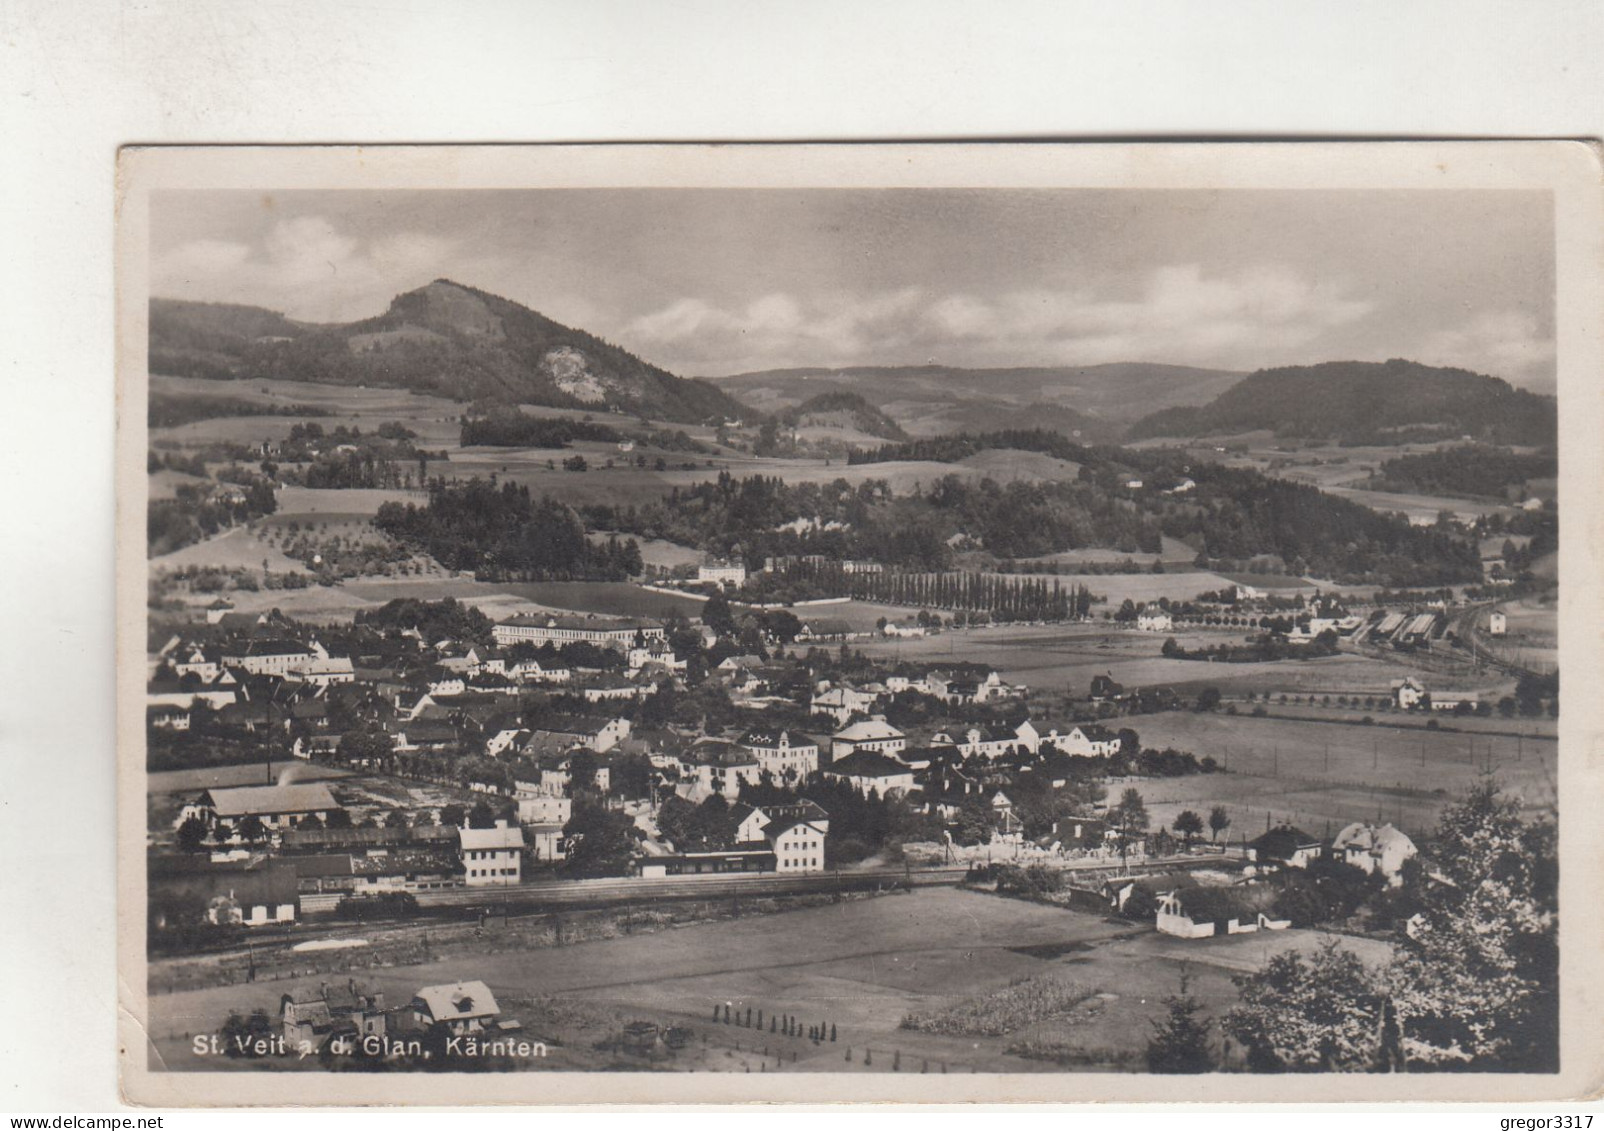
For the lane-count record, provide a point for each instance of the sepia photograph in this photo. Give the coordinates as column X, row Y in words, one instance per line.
column 1077, row 622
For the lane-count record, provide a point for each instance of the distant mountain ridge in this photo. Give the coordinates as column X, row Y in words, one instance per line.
column 444, row 338
column 1366, row 402
column 932, row 399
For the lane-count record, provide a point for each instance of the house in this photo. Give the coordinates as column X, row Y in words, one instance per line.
column 797, row 844
column 609, row 686
column 270, row 657
column 218, row 609
column 462, row 1007
column 324, row 670
column 276, row 806
column 570, row 731
column 1154, row 619
column 903, row 630
column 1104, row 687
column 1454, row 700
column 165, row 716
column 1088, row 740
column 782, row 758
column 310, row 1015
column 1407, row 692
column 1248, row 593
column 606, row 632
column 1379, row 851
column 870, row 770
column 655, row 653
column 492, row 857
column 874, row 735
column 721, row 767
column 993, row 741
column 1205, row 912
column 1286, row 845
column 1082, row 832
column 1133, row 484
column 841, row 703
column 532, row 671
column 1497, row 624
column 730, row 575
column 815, row 630
column 538, row 807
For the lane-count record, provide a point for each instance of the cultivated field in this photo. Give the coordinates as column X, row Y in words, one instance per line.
column 860, row 965
column 1327, row 774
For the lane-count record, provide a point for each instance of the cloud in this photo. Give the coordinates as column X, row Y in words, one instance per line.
column 1179, row 313
column 1502, row 343
column 306, row 267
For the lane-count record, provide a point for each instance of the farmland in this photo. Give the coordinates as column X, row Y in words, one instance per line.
column 1317, row 775
column 860, row 965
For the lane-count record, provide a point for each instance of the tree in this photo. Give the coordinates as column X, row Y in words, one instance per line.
column 481, row 816
column 1189, row 825
column 1476, row 985
column 337, row 819
column 1321, row 1014
column 1219, row 821
column 251, row 829
column 1208, row 699
column 191, row 834
column 1130, row 818
column 1180, row 1044
column 601, row 842
column 366, row 745
column 716, row 615
column 452, row 815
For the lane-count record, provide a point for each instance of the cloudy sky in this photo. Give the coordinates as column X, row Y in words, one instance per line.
column 707, row 282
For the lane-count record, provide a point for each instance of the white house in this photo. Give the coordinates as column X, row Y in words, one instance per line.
column 1381, row 851
column 1088, row 740
column 993, row 741
column 1407, row 692
column 841, row 703
column 276, row 806
column 781, row 756
column 1155, row 619
column 492, row 857
column 1497, row 624
column 869, row 770
column 870, row 735
column 727, row 574
column 462, row 1007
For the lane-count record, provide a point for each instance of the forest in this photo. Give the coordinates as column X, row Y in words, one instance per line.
column 503, row 534
column 1471, row 470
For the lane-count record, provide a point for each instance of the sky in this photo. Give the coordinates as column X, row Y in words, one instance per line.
column 707, row 282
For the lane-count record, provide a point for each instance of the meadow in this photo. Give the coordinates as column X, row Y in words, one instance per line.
column 1320, row 776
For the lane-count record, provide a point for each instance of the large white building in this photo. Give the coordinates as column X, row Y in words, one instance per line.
column 492, row 857
column 728, row 574
column 608, row 632
column 785, row 758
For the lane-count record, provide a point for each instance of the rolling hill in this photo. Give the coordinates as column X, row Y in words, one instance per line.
column 841, row 409
column 928, row 400
column 442, row 338
column 1366, row 402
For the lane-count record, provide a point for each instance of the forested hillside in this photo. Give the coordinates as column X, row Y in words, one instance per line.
column 1366, row 403
column 443, row 338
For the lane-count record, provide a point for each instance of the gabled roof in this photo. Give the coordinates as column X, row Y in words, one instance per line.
column 481, row 839
column 869, row 730
column 1282, row 841
column 459, row 1001
column 868, row 764
column 248, row 800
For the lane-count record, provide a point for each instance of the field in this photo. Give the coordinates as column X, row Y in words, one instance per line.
column 859, row 965
column 1064, row 658
column 253, row 773
column 610, row 598
column 1322, row 776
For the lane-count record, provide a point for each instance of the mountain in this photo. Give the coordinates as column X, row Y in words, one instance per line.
column 442, row 338
column 842, row 409
column 930, row 400
column 1366, row 402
